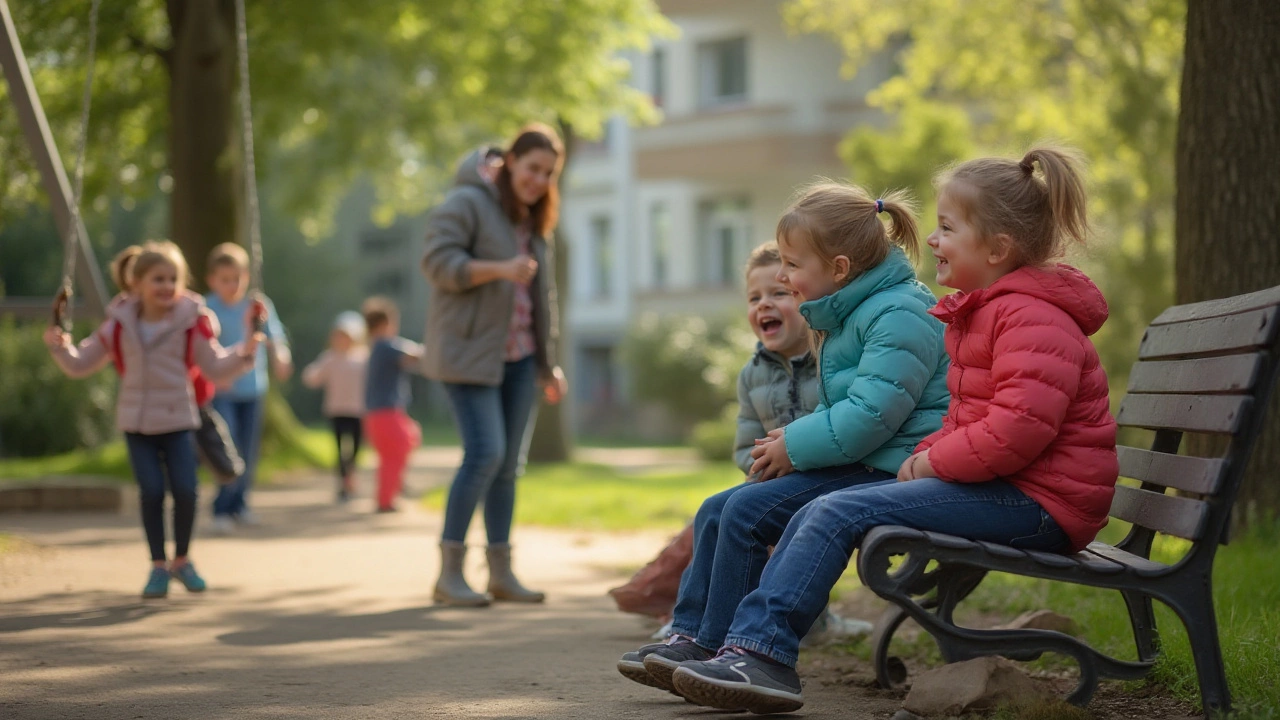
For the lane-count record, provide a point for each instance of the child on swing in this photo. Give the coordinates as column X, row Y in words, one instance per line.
column 214, row 446
column 155, row 333
column 1026, row 455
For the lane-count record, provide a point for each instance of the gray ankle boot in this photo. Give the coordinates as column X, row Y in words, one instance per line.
column 452, row 587
column 503, row 584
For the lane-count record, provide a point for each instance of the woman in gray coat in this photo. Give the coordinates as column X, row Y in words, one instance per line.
column 491, row 327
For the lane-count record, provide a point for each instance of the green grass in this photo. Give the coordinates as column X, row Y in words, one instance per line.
column 1246, row 593
column 597, row 497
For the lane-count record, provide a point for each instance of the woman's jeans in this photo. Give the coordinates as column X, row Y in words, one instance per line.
column 732, row 533
column 244, row 420
column 156, row 459
column 495, row 424
column 817, row 545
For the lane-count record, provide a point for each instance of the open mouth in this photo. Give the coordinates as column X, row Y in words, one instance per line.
column 941, row 260
column 770, row 326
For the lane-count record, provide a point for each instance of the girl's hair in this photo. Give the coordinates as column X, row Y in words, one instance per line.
column 839, row 219
column 159, row 252
column 546, row 212
column 764, row 255
column 1039, row 212
column 122, row 267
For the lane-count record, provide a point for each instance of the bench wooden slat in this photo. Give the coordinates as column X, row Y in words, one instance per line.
column 1169, row 514
column 1140, row 565
column 1211, row 336
column 1192, row 474
column 1187, row 413
column 1229, row 374
column 1216, row 308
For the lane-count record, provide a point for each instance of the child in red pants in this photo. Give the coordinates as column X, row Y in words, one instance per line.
column 393, row 433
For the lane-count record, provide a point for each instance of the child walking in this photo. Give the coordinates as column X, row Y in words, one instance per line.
column 241, row 403
column 393, row 433
column 214, row 446
column 1026, row 456
column 882, row 373
column 340, row 370
column 154, row 334
column 777, row 385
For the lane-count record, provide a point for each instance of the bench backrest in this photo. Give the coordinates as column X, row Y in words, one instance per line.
column 1207, row 367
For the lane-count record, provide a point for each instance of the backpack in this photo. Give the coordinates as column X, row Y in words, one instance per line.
column 203, row 386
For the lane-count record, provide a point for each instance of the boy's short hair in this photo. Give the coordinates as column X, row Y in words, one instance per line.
column 227, row 255
column 378, row 311
column 764, row 255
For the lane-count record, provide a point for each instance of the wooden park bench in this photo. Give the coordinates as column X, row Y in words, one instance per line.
column 1205, row 368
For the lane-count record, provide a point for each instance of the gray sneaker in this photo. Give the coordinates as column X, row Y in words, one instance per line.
column 666, row 657
column 738, row 680
column 632, row 665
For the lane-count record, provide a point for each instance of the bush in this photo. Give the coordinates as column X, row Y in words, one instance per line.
column 45, row 412
column 687, row 364
column 713, row 439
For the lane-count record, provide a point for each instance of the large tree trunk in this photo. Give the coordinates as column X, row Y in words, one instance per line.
column 552, row 438
column 202, row 157
column 1228, row 207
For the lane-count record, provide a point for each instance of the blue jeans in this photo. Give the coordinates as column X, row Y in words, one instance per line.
column 732, row 533
column 495, row 424
column 155, row 459
column 821, row 538
column 244, row 422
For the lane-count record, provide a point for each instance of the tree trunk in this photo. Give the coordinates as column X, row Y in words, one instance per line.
column 552, row 438
column 1228, row 175
column 202, row 157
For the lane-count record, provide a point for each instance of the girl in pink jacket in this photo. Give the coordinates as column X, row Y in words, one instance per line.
column 1026, row 455
column 154, row 337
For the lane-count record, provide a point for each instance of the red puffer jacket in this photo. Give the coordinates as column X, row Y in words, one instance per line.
column 1029, row 400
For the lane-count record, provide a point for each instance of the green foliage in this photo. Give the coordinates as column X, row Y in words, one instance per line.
column 110, row 460
column 597, row 497
column 687, row 364
column 713, row 439
column 391, row 90
column 43, row 410
column 993, row 77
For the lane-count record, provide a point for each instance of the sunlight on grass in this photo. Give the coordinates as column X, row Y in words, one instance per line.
column 597, row 497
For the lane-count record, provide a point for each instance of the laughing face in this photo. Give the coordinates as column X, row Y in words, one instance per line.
column 964, row 260
column 774, row 313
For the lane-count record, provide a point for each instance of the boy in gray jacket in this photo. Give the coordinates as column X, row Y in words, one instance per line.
column 777, row 385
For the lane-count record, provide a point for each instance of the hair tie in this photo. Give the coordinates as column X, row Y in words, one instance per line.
column 879, row 206
column 1027, row 167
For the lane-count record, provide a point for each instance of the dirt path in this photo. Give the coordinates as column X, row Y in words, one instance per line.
column 325, row 612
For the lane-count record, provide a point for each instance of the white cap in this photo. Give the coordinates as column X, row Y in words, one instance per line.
column 351, row 323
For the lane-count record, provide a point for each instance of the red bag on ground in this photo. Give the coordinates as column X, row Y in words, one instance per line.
column 652, row 590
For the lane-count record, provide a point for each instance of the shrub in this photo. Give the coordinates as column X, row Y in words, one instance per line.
column 713, row 439
column 45, row 412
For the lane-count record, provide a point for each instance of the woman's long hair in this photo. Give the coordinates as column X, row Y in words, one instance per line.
column 546, row 212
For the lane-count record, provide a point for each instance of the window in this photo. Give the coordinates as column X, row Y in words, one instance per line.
column 601, row 256
column 658, row 69
column 660, row 240
column 725, row 229
column 722, row 72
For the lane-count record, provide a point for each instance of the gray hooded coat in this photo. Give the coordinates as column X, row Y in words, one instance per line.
column 467, row 324
column 772, row 392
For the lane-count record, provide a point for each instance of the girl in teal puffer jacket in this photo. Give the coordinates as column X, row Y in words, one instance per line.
column 882, row 368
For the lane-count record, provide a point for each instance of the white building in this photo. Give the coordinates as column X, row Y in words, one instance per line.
column 661, row 218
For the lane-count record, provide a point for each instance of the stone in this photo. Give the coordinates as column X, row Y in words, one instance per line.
column 979, row 684
column 1042, row 620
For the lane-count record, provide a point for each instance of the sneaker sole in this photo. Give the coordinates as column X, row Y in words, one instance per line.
column 726, row 695
column 660, row 670
column 636, row 672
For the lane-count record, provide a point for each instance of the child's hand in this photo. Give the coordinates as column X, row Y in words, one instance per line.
column 555, row 387
column 771, row 457
column 55, row 338
column 249, row 348
column 915, row 467
column 521, row 269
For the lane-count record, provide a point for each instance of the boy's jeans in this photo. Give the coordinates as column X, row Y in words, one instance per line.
column 732, row 534
column 158, row 460
column 244, row 420
column 496, row 425
column 817, row 545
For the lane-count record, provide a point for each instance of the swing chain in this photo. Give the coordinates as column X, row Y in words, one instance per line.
column 252, row 216
column 72, row 240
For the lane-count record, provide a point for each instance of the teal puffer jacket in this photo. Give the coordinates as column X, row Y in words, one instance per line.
column 882, row 370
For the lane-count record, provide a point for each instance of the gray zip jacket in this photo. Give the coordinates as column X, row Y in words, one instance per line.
column 467, row 324
column 772, row 392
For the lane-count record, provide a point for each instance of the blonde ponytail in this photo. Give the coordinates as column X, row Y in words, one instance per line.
column 836, row 219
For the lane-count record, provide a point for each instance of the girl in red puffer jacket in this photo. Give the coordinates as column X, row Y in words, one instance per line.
column 1026, row 455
